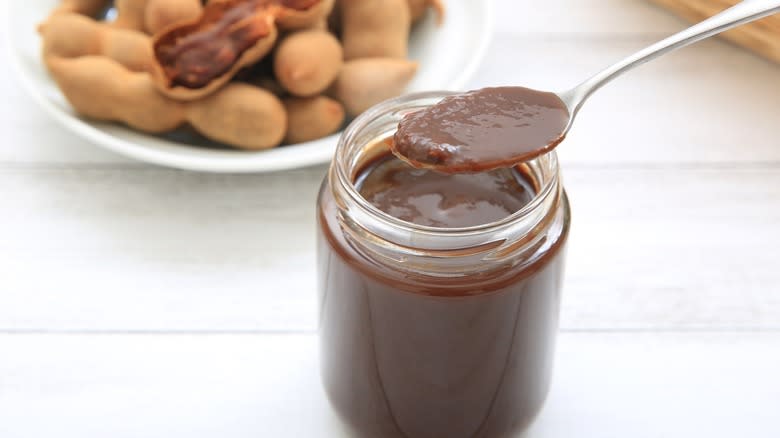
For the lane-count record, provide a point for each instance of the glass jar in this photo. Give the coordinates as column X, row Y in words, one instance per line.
column 435, row 332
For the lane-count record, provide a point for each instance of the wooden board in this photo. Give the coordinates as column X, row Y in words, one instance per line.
column 762, row 36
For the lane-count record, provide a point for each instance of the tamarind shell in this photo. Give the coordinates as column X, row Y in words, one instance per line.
column 160, row 14
column 363, row 83
column 102, row 89
column 70, row 35
column 288, row 18
column 240, row 115
column 375, row 28
column 311, row 118
column 130, row 14
column 212, row 13
column 307, row 62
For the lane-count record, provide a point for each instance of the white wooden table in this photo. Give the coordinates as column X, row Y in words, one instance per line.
column 137, row 301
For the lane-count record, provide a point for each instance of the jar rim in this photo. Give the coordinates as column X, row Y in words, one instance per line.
column 352, row 192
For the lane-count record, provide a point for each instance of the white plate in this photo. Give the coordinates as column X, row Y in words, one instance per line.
column 448, row 56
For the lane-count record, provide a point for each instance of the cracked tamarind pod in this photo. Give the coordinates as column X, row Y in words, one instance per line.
column 240, row 115
column 311, row 118
column 419, row 7
column 307, row 62
column 194, row 59
column 152, row 16
column 375, row 28
column 72, row 35
column 297, row 14
column 363, row 83
column 160, row 14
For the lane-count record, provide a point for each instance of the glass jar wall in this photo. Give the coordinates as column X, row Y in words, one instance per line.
column 430, row 332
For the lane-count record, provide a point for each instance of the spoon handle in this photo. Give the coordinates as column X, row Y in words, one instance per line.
column 741, row 13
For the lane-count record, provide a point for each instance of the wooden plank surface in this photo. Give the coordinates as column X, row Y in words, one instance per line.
column 153, row 249
column 606, row 385
column 141, row 301
column 157, row 249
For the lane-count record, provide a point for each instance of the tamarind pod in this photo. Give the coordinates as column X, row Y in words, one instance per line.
column 152, row 16
column 363, row 83
column 84, row 7
column 160, row 14
column 311, row 118
column 240, row 115
column 302, row 14
column 71, row 35
column 102, row 89
column 130, row 14
column 307, row 62
column 419, row 7
column 89, row 8
column 194, row 59
column 375, row 28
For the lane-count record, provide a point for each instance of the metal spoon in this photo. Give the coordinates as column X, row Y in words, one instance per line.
column 500, row 127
